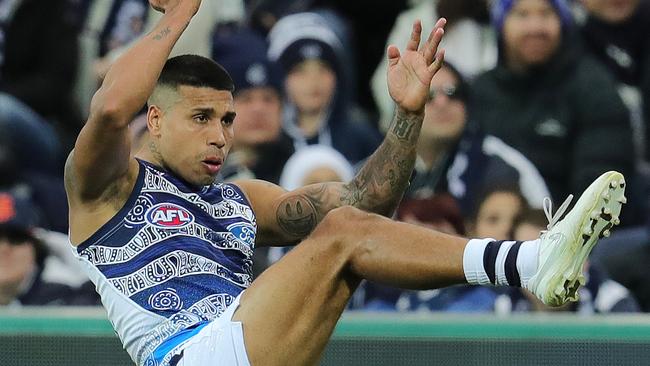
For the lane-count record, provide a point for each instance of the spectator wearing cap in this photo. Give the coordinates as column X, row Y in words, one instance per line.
column 23, row 257
column 260, row 147
column 317, row 82
column 454, row 156
column 551, row 101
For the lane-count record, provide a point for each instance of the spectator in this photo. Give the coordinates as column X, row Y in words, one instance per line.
column 600, row 294
column 551, row 101
column 458, row 158
column 316, row 84
column 260, row 147
column 38, row 63
column 468, row 42
column 495, row 213
column 22, row 260
column 618, row 34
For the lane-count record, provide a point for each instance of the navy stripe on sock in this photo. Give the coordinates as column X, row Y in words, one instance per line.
column 490, row 259
column 512, row 274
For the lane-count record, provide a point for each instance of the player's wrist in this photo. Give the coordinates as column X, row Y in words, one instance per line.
column 410, row 113
column 183, row 11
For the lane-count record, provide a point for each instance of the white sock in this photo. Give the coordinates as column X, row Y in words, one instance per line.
column 473, row 262
column 492, row 262
column 527, row 260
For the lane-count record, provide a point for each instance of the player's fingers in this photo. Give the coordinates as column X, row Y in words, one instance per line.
column 414, row 41
column 435, row 37
column 393, row 55
column 437, row 62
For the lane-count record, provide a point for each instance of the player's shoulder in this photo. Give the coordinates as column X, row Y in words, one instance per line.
column 259, row 192
column 252, row 185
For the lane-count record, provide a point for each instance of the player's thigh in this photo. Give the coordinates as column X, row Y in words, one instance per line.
column 290, row 311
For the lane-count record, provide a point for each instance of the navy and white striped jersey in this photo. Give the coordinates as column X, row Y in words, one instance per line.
column 172, row 259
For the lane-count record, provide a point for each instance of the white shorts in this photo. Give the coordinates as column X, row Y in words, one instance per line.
column 220, row 343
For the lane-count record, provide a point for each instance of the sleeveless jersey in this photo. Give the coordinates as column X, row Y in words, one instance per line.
column 172, row 259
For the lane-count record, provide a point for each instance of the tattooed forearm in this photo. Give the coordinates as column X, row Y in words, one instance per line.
column 298, row 215
column 380, row 184
column 162, row 34
column 403, row 126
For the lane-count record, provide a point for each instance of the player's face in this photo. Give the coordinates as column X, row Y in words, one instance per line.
column 196, row 133
column 310, row 86
column 444, row 117
column 259, row 116
column 531, row 32
column 497, row 215
column 611, row 11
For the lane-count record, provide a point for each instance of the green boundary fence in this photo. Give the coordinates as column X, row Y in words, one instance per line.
column 81, row 336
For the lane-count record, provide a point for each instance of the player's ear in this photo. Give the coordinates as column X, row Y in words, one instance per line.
column 154, row 117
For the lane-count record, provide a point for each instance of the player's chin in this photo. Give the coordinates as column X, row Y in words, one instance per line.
column 206, row 179
column 200, row 178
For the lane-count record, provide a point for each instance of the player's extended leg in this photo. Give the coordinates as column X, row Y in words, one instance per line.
column 289, row 312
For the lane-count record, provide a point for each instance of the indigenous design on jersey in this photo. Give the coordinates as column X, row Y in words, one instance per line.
column 172, row 259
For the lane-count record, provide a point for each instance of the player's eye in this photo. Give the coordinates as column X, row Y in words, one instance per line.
column 201, row 118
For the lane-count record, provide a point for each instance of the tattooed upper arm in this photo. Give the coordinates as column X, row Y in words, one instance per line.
column 299, row 212
column 283, row 218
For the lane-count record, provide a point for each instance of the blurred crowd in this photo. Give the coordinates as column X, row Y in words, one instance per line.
column 536, row 99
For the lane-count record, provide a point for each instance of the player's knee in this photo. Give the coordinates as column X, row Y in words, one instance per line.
column 343, row 228
column 343, row 220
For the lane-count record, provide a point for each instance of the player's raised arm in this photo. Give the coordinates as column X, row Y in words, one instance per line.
column 286, row 217
column 102, row 150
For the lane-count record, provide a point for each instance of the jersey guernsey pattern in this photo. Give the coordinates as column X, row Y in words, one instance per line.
column 172, row 259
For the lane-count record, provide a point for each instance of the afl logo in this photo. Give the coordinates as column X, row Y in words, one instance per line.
column 169, row 216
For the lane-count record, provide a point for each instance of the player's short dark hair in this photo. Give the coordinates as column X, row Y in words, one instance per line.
column 197, row 71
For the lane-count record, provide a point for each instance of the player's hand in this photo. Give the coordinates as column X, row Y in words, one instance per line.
column 410, row 73
column 169, row 5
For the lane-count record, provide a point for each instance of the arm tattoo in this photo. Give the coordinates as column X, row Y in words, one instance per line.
column 162, row 34
column 298, row 214
column 380, row 184
column 402, row 126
